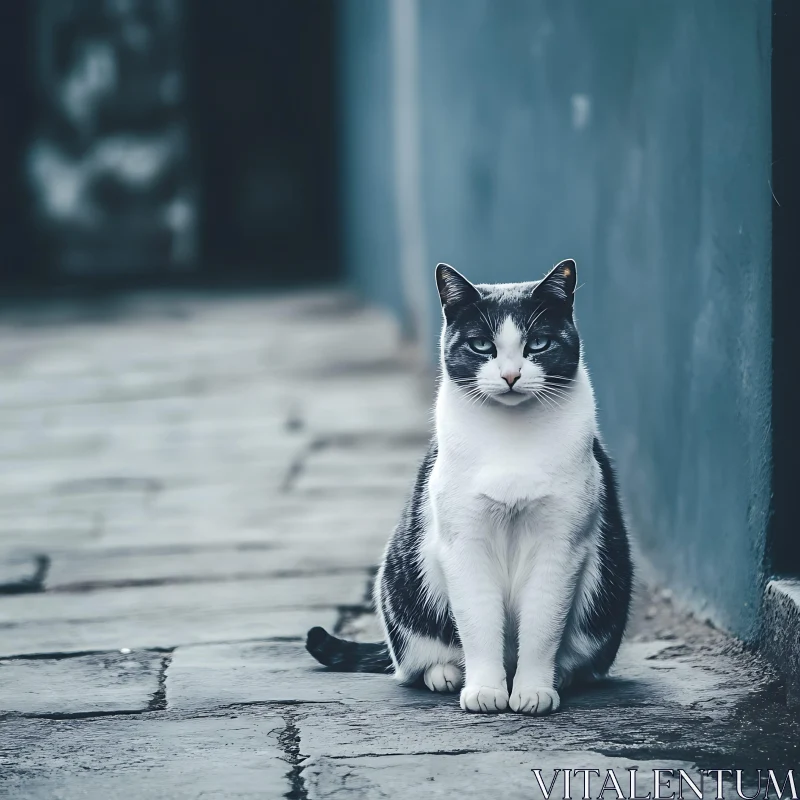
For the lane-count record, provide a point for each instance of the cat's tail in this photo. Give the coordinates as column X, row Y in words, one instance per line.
column 343, row 656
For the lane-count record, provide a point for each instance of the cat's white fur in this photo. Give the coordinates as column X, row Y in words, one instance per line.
column 511, row 540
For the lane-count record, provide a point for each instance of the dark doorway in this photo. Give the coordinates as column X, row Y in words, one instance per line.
column 17, row 260
column 262, row 110
column 785, row 536
column 200, row 139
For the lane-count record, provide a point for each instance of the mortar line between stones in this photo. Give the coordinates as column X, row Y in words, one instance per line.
column 139, row 583
column 32, row 583
column 61, row 655
column 67, row 715
column 158, row 702
column 298, row 464
column 289, row 741
column 463, row 752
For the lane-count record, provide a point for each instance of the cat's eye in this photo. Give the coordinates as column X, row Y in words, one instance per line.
column 482, row 346
column 537, row 344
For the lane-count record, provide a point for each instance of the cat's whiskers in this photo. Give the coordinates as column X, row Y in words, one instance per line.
column 563, row 389
column 554, row 404
column 561, row 378
column 529, row 327
column 557, row 391
column 491, row 328
column 552, row 398
column 470, row 390
column 528, row 322
column 545, row 400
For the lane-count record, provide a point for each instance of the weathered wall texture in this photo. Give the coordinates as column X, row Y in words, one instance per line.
column 636, row 138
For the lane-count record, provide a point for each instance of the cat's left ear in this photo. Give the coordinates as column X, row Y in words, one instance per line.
column 559, row 283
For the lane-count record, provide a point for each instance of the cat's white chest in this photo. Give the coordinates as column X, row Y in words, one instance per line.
column 513, row 460
column 503, row 465
column 512, row 482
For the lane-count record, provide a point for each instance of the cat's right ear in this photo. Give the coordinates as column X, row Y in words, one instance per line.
column 454, row 289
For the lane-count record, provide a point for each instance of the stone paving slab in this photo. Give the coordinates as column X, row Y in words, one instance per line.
column 331, row 518
column 133, row 364
column 381, row 466
column 144, row 603
column 148, row 757
column 395, row 403
column 264, row 435
column 273, row 672
column 145, row 476
column 506, row 774
column 100, row 683
column 99, row 568
column 646, row 674
column 164, row 616
column 157, row 480
column 702, row 700
column 705, row 737
column 200, row 625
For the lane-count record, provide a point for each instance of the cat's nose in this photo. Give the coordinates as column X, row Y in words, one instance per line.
column 510, row 377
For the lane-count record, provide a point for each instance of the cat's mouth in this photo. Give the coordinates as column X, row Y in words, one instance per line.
column 512, row 397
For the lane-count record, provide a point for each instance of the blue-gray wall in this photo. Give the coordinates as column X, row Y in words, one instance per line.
column 634, row 137
column 369, row 214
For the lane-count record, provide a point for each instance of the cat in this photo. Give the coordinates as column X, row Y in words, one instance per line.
column 510, row 573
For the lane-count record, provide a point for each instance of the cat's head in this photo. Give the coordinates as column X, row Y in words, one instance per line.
column 510, row 342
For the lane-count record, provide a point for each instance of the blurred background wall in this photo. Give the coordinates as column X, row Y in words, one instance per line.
column 158, row 141
column 275, row 142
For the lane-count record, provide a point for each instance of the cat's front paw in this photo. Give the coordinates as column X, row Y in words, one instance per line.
column 535, row 702
column 443, row 678
column 484, row 699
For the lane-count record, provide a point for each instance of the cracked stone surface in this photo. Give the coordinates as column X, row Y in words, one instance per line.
column 273, row 672
column 152, row 756
column 164, row 616
column 470, row 774
column 153, row 566
column 100, row 683
column 175, row 514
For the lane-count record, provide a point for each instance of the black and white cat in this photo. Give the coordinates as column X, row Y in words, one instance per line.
column 510, row 572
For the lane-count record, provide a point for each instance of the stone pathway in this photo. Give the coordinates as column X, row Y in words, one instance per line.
column 188, row 484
